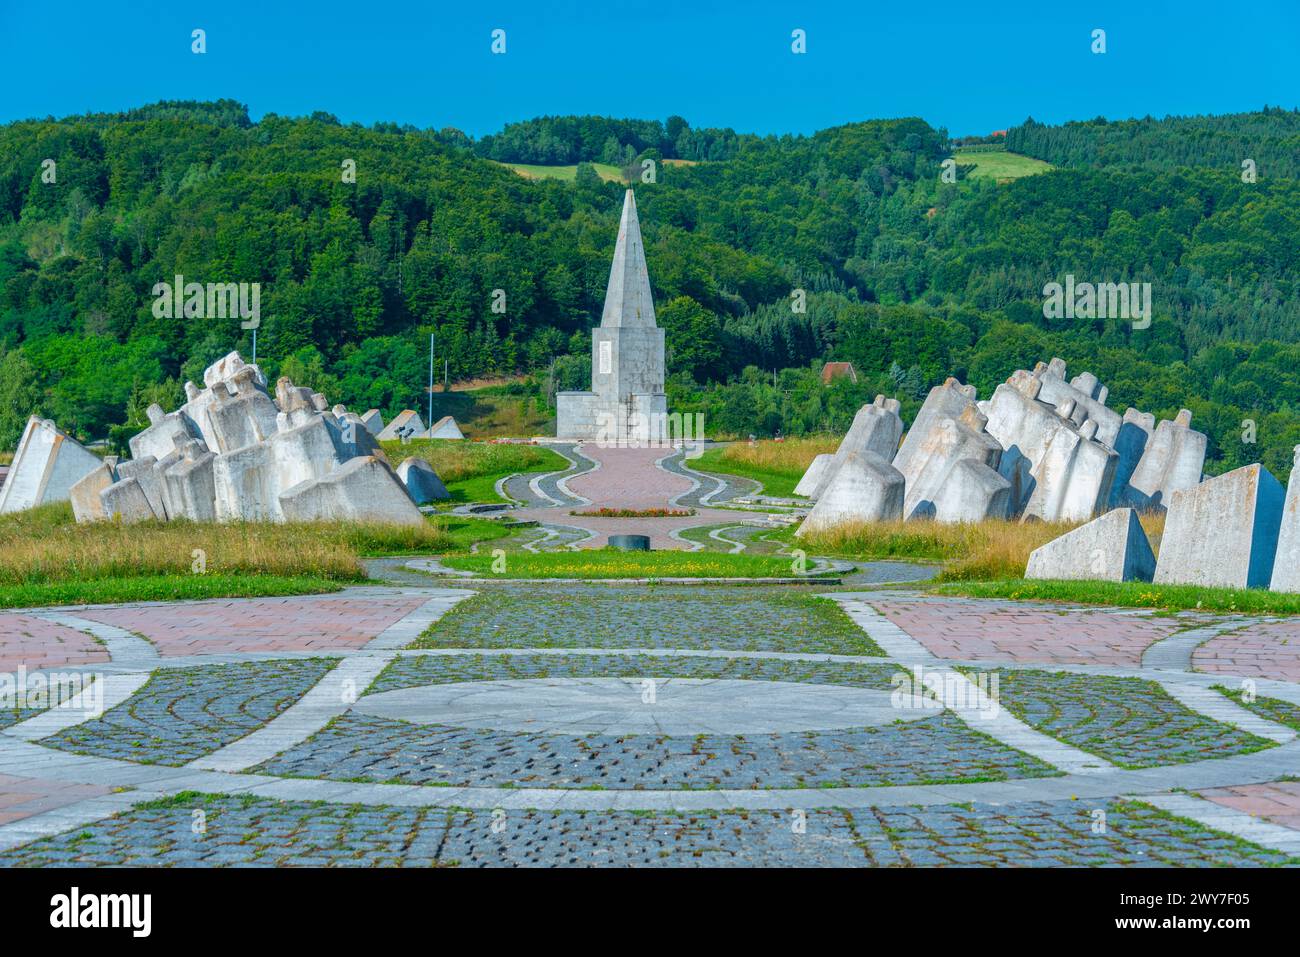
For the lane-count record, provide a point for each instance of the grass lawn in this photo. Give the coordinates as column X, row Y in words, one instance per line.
column 611, row 174
column 1249, row 601
column 498, row 411
column 778, row 466
column 161, row 588
column 464, row 532
column 47, row 558
column 1000, row 165
column 470, row 470
column 617, row 564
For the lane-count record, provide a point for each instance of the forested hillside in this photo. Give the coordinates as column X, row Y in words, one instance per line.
column 1271, row 138
column 909, row 277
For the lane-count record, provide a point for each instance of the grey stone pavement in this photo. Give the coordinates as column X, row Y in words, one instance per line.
column 650, row 726
column 563, row 724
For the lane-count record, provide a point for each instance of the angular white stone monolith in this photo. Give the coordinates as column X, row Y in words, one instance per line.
column 1286, row 567
column 405, row 424
column 87, row 506
column 421, row 481
column 943, row 401
column 865, row 488
column 812, row 478
column 125, row 501
column 445, row 428
column 876, row 428
column 972, row 492
column 1112, row 548
column 626, row 403
column 1172, row 460
column 951, row 439
column 45, row 467
column 364, row 489
column 1223, row 532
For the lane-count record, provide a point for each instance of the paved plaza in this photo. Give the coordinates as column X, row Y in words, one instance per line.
column 421, row 721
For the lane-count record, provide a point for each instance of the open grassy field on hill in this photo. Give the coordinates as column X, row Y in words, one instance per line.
column 1000, row 165
column 611, row 174
column 606, row 171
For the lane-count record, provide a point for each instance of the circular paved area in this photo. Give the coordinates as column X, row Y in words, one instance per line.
column 647, row 725
column 669, row 706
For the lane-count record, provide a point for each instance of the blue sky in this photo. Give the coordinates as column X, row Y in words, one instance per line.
column 971, row 67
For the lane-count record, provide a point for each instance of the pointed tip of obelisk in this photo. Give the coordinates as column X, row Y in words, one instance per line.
column 627, row 297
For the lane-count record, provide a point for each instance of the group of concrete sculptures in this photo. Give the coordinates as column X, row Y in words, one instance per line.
column 232, row 452
column 1044, row 448
column 1236, row 530
column 1041, row 448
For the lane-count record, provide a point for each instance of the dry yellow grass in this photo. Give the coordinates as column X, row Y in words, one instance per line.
column 968, row 551
column 788, row 455
column 455, row 461
column 45, row 545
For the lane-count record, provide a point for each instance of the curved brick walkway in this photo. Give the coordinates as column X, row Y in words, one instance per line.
column 1078, row 726
column 631, row 479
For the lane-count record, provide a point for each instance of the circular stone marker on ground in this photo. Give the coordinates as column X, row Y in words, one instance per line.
column 671, row 706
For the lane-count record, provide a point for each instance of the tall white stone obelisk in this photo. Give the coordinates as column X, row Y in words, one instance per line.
column 626, row 404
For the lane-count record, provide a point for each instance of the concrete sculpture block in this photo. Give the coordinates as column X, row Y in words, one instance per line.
column 876, row 428
column 45, row 467
column 445, row 428
column 1172, row 461
column 865, row 488
column 1286, row 566
column 164, row 431
column 951, row 439
column 812, row 478
column 247, row 485
column 364, row 489
column 232, row 452
column 972, row 492
column 87, row 506
column 943, row 401
column 1083, row 396
column 125, row 501
column 1112, row 548
column 1223, row 532
column 421, row 481
column 406, row 424
column 374, row 422
column 1073, row 480
column 143, row 473
column 190, row 483
column 1130, row 443
column 1057, row 467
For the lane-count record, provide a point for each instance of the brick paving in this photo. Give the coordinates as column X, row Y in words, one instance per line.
column 998, row 631
column 34, row 643
column 258, row 625
column 21, row 798
column 627, row 478
column 1278, row 803
column 195, row 710
column 1266, row 650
